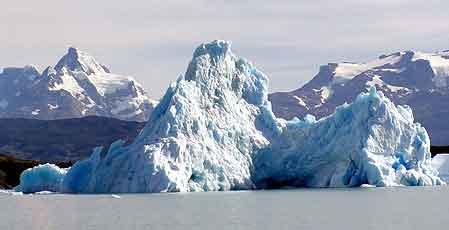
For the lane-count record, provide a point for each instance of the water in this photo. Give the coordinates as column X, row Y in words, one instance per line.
column 367, row 208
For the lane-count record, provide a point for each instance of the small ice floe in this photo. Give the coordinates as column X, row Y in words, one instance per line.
column 44, row 193
column 367, row 186
column 116, row 196
column 11, row 192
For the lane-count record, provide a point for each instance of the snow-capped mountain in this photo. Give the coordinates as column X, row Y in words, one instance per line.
column 214, row 130
column 77, row 86
column 420, row 80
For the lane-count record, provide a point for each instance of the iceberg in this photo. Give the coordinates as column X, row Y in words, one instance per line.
column 214, row 130
column 440, row 162
column 370, row 141
column 46, row 177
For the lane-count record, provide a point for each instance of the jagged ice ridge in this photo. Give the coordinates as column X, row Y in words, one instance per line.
column 214, row 130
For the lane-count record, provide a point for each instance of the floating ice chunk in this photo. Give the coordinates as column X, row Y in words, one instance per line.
column 44, row 193
column 46, row 177
column 367, row 186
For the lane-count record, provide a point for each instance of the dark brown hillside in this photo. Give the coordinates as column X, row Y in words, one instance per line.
column 62, row 140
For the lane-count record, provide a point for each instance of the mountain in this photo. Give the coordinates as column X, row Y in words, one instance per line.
column 62, row 140
column 214, row 130
column 420, row 80
column 77, row 86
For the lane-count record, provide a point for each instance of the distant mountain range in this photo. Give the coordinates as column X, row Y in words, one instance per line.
column 420, row 80
column 77, row 86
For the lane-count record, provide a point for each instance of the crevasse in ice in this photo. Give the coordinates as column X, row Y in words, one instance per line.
column 214, row 130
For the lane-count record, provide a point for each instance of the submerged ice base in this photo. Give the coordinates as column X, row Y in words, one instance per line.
column 214, row 130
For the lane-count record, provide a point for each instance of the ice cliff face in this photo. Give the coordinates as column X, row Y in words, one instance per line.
column 214, row 130
column 77, row 86
column 370, row 141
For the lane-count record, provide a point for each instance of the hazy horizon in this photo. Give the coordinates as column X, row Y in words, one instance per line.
column 154, row 41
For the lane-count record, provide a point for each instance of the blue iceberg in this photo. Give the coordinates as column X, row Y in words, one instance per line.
column 214, row 130
column 46, row 177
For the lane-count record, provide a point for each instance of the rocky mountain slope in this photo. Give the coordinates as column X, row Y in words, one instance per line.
column 420, row 80
column 77, row 86
column 62, row 140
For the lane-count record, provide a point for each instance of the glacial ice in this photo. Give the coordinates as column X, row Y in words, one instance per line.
column 214, row 130
column 368, row 142
column 46, row 177
column 440, row 162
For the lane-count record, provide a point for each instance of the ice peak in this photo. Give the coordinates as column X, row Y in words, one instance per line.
column 77, row 60
column 217, row 70
column 216, row 56
column 216, row 49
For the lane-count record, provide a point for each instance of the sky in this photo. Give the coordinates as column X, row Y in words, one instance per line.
column 153, row 41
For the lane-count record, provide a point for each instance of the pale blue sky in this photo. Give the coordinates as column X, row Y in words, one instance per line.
column 154, row 40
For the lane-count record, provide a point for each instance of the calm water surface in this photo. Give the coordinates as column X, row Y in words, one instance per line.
column 364, row 208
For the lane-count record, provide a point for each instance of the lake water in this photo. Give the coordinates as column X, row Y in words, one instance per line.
column 359, row 208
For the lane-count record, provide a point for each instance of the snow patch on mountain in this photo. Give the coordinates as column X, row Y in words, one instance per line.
column 300, row 101
column 68, row 84
column 324, row 94
column 52, row 107
column 109, row 83
column 440, row 67
column 347, row 71
column 377, row 81
column 35, row 112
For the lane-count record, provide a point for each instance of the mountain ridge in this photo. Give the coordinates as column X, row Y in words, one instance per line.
column 62, row 140
column 417, row 79
column 76, row 86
